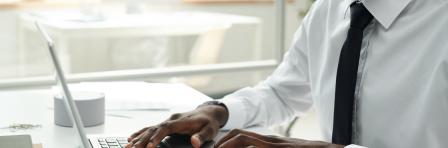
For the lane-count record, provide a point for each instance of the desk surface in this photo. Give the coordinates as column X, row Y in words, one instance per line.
column 34, row 107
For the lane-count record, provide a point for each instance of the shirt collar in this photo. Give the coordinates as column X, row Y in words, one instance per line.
column 384, row 11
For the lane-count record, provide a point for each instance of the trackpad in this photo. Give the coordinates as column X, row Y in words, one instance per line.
column 181, row 141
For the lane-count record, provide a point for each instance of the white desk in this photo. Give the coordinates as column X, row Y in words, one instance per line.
column 33, row 107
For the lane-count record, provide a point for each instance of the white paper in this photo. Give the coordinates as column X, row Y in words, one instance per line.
column 142, row 95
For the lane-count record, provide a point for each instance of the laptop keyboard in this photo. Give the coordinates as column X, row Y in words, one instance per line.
column 112, row 142
column 121, row 142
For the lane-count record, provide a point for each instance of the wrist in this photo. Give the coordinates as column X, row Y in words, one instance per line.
column 218, row 110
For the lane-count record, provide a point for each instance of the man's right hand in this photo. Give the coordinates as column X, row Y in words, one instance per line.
column 202, row 123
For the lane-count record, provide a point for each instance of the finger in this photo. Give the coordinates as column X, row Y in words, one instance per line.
column 134, row 140
column 188, row 125
column 184, row 126
column 268, row 138
column 207, row 133
column 228, row 136
column 242, row 140
column 137, row 133
column 236, row 132
column 158, row 136
column 232, row 133
column 172, row 117
column 143, row 138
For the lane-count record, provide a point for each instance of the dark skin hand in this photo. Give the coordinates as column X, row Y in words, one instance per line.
column 243, row 139
column 203, row 124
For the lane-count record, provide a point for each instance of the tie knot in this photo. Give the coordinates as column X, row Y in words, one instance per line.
column 360, row 16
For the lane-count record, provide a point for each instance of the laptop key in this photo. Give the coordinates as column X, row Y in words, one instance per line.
column 121, row 141
column 110, row 140
column 113, row 144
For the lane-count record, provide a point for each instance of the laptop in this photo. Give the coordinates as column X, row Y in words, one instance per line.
column 173, row 141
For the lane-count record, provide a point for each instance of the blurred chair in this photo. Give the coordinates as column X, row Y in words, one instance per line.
column 206, row 51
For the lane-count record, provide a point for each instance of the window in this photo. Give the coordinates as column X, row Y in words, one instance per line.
column 216, row 33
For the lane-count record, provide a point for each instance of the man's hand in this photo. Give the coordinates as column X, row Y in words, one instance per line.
column 243, row 139
column 202, row 123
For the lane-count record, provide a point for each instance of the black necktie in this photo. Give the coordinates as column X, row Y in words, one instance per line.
column 347, row 74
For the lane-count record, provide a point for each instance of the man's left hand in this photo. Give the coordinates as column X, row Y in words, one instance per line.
column 242, row 139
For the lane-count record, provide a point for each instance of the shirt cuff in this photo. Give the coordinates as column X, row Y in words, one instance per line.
column 237, row 114
column 354, row 146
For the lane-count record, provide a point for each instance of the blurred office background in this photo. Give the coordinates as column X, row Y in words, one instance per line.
column 221, row 31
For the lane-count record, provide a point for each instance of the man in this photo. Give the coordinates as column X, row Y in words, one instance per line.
column 375, row 70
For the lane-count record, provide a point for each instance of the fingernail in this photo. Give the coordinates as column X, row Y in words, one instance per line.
column 196, row 138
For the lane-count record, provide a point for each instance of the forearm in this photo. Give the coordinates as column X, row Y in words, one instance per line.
column 261, row 105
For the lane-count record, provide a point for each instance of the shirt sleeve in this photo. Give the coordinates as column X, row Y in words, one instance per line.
column 280, row 97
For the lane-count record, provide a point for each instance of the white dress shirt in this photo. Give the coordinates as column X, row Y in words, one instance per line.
column 402, row 88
